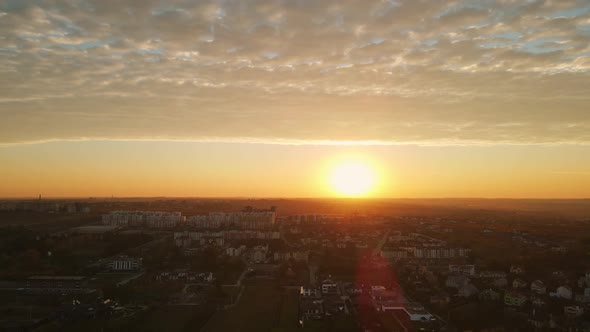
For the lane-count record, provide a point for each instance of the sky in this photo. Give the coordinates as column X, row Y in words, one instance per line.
column 445, row 98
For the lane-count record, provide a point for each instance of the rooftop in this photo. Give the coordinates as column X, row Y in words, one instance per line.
column 93, row 229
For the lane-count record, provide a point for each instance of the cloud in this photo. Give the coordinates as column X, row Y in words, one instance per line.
column 449, row 72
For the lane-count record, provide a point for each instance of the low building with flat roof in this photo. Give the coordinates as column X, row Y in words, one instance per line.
column 93, row 229
column 56, row 284
column 125, row 263
column 97, row 231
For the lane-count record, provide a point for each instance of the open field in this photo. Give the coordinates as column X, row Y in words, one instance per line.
column 171, row 318
column 165, row 318
column 109, row 279
column 262, row 307
column 258, row 310
column 288, row 315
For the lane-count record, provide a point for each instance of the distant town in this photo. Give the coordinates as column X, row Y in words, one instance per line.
column 292, row 265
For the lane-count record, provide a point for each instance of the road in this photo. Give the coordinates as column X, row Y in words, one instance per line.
column 130, row 278
column 381, row 242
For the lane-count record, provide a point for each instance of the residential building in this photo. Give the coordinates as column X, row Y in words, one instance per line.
column 516, row 269
column 235, row 251
column 462, row 269
column 329, row 287
column 186, row 276
column 259, row 254
column 456, row 281
column 125, row 263
column 538, row 287
column 255, row 219
column 294, row 255
column 394, row 254
column 489, row 295
column 418, row 313
column 441, row 253
column 564, row 292
column 492, row 274
column 573, row 310
column 182, row 240
column 500, row 282
column 514, row 299
column 468, row 290
column 310, row 308
column 539, row 317
column 387, row 300
column 211, row 241
column 310, row 292
column 518, row 283
column 151, row 219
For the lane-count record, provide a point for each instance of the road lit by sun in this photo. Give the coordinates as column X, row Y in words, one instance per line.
column 352, row 178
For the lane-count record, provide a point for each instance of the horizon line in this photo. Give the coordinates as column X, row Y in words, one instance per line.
column 299, row 142
column 286, row 198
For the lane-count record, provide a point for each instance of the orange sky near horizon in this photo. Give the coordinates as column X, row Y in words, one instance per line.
column 189, row 169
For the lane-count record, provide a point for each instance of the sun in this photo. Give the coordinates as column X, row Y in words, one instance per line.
column 352, row 178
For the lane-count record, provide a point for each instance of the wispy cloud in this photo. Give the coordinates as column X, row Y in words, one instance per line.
column 372, row 71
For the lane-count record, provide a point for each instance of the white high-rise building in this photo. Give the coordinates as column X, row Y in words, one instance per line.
column 143, row 218
column 238, row 220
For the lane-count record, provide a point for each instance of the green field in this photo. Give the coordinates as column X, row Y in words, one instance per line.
column 262, row 307
column 109, row 279
column 172, row 318
column 165, row 318
column 288, row 317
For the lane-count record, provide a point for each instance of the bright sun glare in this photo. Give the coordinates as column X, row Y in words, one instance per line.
column 352, row 178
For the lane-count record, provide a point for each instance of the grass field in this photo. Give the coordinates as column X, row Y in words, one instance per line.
column 263, row 307
column 289, row 314
column 165, row 318
column 109, row 279
column 258, row 310
column 172, row 318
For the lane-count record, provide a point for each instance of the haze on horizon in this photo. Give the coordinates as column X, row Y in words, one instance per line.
column 261, row 98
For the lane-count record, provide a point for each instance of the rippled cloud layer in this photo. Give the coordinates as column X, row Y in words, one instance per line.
column 388, row 72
